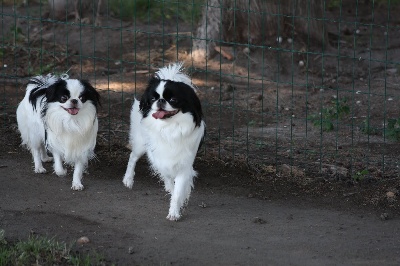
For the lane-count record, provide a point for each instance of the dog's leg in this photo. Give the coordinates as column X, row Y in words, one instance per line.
column 43, row 154
column 86, row 168
column 130, row 169
column 168, row 184
column 77, row 177
column 180, row 195
column 36, row 154
column 58, row 165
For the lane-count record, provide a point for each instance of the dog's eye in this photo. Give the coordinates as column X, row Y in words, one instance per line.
column 153, row 99
column 82, row 98
column 64, row 98
column 173, row 100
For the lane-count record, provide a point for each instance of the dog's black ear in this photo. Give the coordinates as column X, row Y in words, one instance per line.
column 91, row 93
column 51, row 94
column 191, row 102
column 40, row 89
column 146, row 100
column 35, row 94
column 196, row 109
column 53, row 90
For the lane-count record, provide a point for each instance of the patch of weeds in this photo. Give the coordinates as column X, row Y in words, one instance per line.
column 185, row 11
column 260, row 144
column 360, row 175
column 126, row 9
column 2, row 237
column 42, row 251
column 251, row 123
column 366, row 128
column 392, row 131
column 43, row 69
column 16, row 34
column 385, row 2
column 328, row 115
column 39, row 70
column 332, row 4
column 86, row 260
column 46, row 68
column 144, row 9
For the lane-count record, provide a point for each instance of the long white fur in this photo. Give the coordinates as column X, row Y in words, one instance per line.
column 171, row 147
column 174, row 72
column 70, row 138
column 32, row 130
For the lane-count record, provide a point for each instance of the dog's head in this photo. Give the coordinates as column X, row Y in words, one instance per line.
column 66, row 95
column 169, row 93
column 72, row 95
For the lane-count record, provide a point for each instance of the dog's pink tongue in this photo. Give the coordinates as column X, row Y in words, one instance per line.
column 159, row 114
column 73, row 111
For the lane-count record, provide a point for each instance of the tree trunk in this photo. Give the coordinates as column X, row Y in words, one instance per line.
column 208, row 33
column 258, row 22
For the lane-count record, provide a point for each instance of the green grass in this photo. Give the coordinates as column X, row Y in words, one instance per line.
column 157, row 9
column 386, row 2
column 392, row 130
column 42, row 251
column 184, row 10
column 368, row 129
column 332, row 4
column 330, row 114
column 360, row 175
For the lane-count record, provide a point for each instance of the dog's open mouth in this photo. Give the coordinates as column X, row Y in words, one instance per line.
column 162, row 114
column 72, row 111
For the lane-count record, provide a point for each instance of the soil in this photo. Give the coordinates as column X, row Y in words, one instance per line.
column 231, row 218
column 272, row 188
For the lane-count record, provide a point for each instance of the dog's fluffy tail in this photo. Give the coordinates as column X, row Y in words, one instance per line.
column 37, row 86
column 42, row 82
column 136, row 115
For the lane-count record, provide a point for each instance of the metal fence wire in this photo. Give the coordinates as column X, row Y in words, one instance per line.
column 302, row 89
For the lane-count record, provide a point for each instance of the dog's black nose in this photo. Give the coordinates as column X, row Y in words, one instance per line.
column 161, row 103
column 74, row 101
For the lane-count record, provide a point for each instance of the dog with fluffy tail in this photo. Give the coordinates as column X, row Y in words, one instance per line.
column 59, row 115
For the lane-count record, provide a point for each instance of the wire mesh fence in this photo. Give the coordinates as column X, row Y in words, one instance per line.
column 301, row 89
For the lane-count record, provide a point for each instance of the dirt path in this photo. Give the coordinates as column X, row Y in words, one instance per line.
column 218, row 228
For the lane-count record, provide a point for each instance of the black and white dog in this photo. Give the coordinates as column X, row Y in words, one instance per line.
column 167, row 124
column 59, row 114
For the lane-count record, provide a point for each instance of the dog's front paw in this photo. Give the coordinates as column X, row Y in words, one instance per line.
column 61, row 172
column 128, row 182
column 77, row 186
column 40, row 170
column 173, row 216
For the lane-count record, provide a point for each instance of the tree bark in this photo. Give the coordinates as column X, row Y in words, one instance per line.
column 208, row 33
column 258, row 22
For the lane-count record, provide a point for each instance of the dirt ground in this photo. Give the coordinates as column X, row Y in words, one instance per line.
column 231, row 218
column 272, row 188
